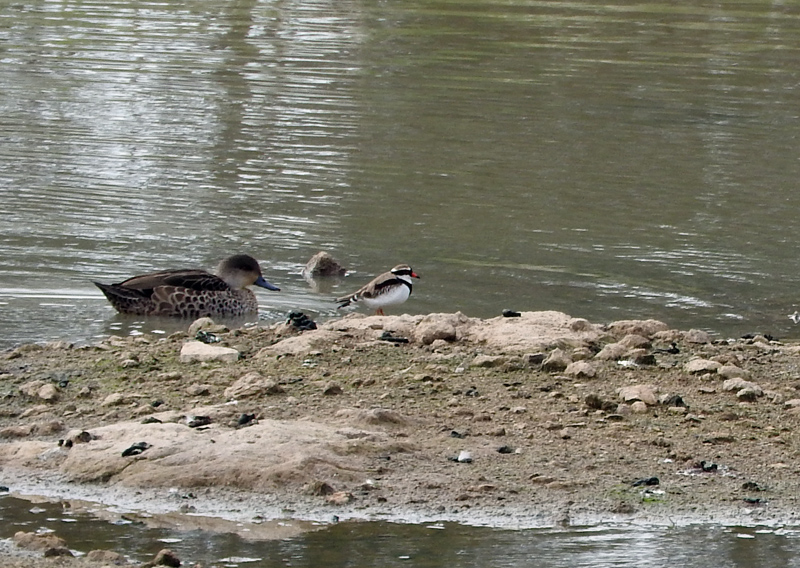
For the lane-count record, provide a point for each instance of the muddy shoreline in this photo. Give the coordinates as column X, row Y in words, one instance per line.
column 539, row 420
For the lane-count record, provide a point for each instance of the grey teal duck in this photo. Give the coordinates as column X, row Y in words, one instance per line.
column 191, row 293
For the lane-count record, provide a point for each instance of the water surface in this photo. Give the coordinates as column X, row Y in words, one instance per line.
column 611, row 160
column 433, row 545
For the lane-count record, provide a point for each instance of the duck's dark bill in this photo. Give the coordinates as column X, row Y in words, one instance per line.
column 264, row 284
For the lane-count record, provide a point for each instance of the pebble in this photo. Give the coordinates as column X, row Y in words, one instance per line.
column 197, row 351
column 697, row 366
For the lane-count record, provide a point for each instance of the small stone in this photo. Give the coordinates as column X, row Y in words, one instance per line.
column 696, row 336
column 31, row 388
column 114, row 399
column 164, row 557
column 644, row 393
column 429, row 331
column 732, row 372
column 740, row 384
column 639, row 407
column 580, row 370
column 48, row 392
column 635, row 341
column 319, row 489
column 646, row 328
column 252, row 385
column 612, row 352
column 580, row 324
column 697, row 366
column 332, row 389
column 747, row 395
column 641, row 357
column 557, row 361
column 533, row 359
column 488, row 361
column 33, row 541
column 57, row 551
column 198, row 390
column 198, row 351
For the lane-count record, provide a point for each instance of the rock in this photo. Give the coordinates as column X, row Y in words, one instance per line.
column 299, row 344
column 31, row 388
column 641, row 357
column 698, row 366
column 322, row 265
column 635, row 341
column 164, row 557
column 12, row 432
column 597, row 403
column 332, row 388
column 739, row 384
column 429, row 330
column 114, row 399
column 646, row 328
column 612, row 352
column 57, row 551
column 718, row 438
column 696, row 336
column 252, row 384
column 792, row 404
column 732, row 372
column 340, row 498
column 198, row 390
column 580, row 369
column 580, row 324
column 672, row 400
column 48, row 392
column 319, row 488
column 487, row 361
column 534, row 360
column 557, row 361
column 644, row 393
column 33, row 541
column 639, row 407
column 372, row 416
column 748, row 394
column 199, row 351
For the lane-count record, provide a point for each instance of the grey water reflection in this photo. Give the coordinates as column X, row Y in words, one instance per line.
column 432, row 545
column 609, row 160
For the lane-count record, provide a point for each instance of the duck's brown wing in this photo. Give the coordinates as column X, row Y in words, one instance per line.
column 192, row 279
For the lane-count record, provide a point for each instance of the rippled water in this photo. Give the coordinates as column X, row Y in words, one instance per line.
column 433, row 545
column 610, row 160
